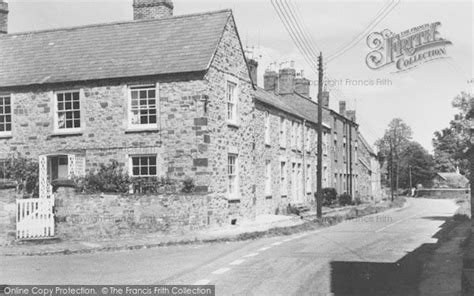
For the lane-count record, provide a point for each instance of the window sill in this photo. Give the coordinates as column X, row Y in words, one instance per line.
column 141, row 130
column 67, row 133
column 233, row 124
column 6, row 135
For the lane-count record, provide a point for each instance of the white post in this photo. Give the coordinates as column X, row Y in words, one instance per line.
column 43, row 177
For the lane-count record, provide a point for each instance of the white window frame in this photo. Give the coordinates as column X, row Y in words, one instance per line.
column 309, row 133
column 234, row 120
column 5, row 133
column 294, row 133
column 235, row 180
column 267, row 127
column 283, row 178
column 138, row 126
column 283, row 122
column 56, row 110
column 268, row 178
column 130, row 165
column 309, row 179
column 299, row 136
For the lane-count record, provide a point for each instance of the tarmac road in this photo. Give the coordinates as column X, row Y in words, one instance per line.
column 372, row 255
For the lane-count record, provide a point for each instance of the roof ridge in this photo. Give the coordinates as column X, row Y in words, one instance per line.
column 116, row 23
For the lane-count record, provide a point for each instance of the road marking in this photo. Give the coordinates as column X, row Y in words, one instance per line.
column 221, row 270
column 263, row 249
column 237, row 262
column 250, row 255
column 399, row 221
column 202, row 282
column 277, row 243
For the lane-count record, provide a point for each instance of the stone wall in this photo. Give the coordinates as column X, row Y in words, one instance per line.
column 90, row 217
column 7, row 215
column 223, row 137
column 444, row 193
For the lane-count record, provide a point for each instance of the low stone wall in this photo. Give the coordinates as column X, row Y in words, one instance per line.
column 443, row 193
column 7, row 216
column 90, row 217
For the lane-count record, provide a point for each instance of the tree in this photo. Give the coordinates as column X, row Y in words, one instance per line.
column 450, row 144
column 416, row 163
column 396, row 137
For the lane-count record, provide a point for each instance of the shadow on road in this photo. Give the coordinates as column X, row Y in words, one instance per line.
column 381, row 278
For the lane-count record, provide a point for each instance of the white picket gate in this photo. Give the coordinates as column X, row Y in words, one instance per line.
column 35, row 218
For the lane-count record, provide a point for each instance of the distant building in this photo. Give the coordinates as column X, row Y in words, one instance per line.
column 450, row 180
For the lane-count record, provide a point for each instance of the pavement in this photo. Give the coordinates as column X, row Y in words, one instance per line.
column 246, row 229
column 381, row 254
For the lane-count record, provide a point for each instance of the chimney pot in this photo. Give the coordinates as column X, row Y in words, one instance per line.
column 270, row 81
column 302, row 86
column 325, row 97
column 286, row 81
column 152, row 9
column 342, row 108
column 351, row 115
column 3, row 17
column 253, row 67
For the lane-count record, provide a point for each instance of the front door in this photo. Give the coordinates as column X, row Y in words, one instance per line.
column 58, row 167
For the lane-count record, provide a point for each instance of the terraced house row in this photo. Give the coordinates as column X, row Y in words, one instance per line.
column 174, row 96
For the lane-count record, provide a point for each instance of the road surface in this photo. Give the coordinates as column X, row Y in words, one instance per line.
column 372, row 255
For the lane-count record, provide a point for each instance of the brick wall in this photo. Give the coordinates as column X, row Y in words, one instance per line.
column 89, row 217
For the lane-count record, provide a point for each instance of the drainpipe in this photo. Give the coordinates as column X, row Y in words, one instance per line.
column 303, row 148
column 350, row 158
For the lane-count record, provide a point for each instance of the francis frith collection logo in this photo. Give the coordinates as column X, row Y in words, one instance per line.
column 407, row 49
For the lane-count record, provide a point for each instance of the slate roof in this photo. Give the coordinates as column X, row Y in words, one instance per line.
column 454, row 178
column 293, row 104
column 124, row 49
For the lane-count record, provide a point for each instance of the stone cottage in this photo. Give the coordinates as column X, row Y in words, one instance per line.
column 170, row 96
column 450, row 180
column 163, row 95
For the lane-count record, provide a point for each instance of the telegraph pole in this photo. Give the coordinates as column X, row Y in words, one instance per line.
column 391, row 169
column 319, row 175
column 409, row 172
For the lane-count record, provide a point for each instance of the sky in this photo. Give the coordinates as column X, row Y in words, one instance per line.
column 421, row 97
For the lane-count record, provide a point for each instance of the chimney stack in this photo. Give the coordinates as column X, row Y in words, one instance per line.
column 3, row 17
column 342, row 108
column 302, row 85
column 325, row 97
column 253, row 66
column 351, row 115
column 270, row 81
column 152, row 9
column 286, row 81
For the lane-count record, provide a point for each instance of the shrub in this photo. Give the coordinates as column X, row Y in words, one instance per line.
column 292, row 210
column 345, row 199
column 188, row 185
column 25, row 173
column 329, row 197
column 108, row 178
